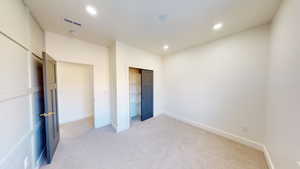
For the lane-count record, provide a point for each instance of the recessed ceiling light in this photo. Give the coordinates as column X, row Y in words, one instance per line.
column 166, row 47
column 218, row 26
column 91, row 10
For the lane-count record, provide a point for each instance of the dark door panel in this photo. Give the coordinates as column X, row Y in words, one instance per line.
column 147, row 94
column 51, row 111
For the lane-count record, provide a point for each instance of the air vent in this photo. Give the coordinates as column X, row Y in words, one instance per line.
column 72, row 22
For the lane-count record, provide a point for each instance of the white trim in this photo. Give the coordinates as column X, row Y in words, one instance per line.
column 89, row 115
column 219, row 132
column 35, row 89
column 268, row 158
column 115, row 127
column 10, row 95
column 230, row 136
column 14, row 148
column 15, row 41
column 118, row 129
column 37, row 126
column 39, row 162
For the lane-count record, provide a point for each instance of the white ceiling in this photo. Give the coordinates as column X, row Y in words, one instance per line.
column 149, row 24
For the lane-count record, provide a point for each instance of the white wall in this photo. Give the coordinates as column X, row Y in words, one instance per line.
column 75, row 91
column 14, row 21
column 283, row 138
column 20, row 88
column 113, row 84
column 68, row 49
column 221, row 84
column 125, row 57
column 15, row 112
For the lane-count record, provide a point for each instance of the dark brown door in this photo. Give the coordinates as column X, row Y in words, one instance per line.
column 51, row 111
column 147, row 94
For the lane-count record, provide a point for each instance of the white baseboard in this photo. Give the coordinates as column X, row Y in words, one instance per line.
column 89, row 115
column 268, row 158
column 115, row 127
column 14, row 149
column 39, row 162
column 222, row 133
column 233, row 137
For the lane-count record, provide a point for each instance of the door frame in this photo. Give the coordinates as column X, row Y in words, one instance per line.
column 134, row 67
column 92, row 84
column 147, row 115
column 50, row 150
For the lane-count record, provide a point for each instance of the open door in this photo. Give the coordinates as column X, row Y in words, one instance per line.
column 50, row 100
column 147, row 94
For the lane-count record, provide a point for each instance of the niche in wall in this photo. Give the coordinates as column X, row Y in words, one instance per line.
column 75, row 91
column 140, row 94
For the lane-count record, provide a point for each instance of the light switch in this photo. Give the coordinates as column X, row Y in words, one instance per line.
column 298, row 162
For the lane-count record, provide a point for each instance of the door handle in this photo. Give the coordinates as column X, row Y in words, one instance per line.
column 47, row 114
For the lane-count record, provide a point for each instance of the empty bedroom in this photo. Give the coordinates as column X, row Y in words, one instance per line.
column 149, row 84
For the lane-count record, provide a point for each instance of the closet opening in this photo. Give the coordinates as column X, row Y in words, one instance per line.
column 140, row 94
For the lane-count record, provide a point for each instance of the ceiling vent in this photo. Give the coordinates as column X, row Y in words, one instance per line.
column 72, row 22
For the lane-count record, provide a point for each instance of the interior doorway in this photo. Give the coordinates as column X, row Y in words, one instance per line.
column 135, row 94
column 140, row 94
column 75, row 95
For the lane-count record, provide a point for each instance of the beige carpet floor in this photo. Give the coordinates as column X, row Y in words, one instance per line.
column 76, row 128
column 159, row 143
